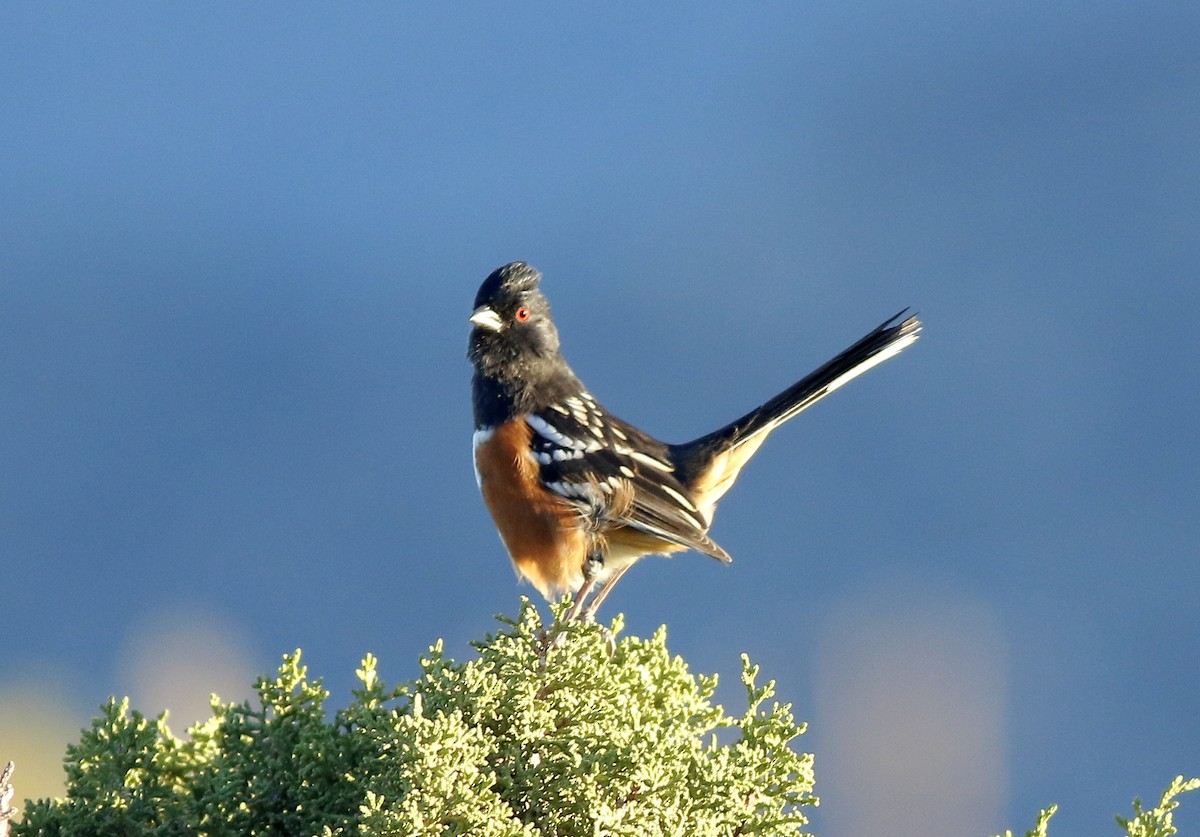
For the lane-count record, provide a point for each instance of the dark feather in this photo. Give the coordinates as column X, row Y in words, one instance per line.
column 588, row 458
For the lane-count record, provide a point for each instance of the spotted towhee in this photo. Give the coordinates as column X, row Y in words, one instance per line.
column 578, row 494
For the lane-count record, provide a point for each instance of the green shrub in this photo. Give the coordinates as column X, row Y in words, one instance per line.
column 574, row 734
column 1157, row 822
column 565, row 734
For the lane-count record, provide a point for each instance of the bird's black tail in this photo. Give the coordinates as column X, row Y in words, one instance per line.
column 709, row 465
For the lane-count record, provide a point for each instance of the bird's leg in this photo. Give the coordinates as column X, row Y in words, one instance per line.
column 589, row 614
column 591, row 577
column 592, row 566
column 580, row 596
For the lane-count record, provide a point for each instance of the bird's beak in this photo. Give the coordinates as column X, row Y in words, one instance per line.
column 485, row 317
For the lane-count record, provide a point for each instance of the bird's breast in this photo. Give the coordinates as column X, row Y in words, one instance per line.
column 540, row 530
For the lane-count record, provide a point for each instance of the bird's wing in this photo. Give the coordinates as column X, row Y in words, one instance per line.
column 615, row 474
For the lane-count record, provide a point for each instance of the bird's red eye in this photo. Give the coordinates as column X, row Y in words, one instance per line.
column 523, row 314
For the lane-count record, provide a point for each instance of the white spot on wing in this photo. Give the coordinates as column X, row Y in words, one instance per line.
column 547, row 431
column 679, row 498
column 650, row 460
column 584, row 491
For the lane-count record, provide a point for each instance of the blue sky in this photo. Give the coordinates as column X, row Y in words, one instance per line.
column 238, row 246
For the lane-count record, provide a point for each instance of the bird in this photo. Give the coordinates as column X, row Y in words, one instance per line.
column 577, row 494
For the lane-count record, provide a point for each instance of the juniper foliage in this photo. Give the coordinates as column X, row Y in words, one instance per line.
column 536, row 735
column 545, row 731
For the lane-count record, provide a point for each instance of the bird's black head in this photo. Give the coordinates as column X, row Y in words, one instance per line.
column 514, row 344
column 508, row 283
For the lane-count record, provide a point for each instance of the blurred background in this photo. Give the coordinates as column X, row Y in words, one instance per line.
column 238, row 247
